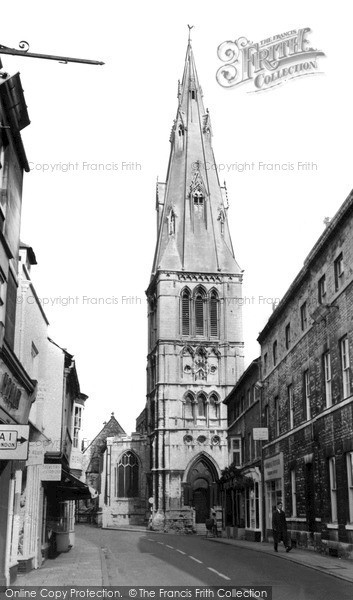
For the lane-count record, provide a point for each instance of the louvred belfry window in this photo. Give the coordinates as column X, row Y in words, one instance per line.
column 185, row 313
column 199, row 314
column 214, row 315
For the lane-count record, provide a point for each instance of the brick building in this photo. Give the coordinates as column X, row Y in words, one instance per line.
column 306, row 350
column 240, row 483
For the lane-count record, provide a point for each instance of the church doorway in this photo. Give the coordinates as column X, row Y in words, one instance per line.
column 202, row 478
column 201, row 498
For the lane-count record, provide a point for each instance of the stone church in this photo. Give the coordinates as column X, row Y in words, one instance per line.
column 195, row 343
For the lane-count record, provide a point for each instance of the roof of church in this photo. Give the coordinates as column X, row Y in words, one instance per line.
column 99, row 443
column 193, row 232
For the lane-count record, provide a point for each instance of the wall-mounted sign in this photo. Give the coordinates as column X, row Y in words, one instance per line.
column 273, row 467
column 14, row 442
column 50, row 472
column 35, row 454
column 260, row 433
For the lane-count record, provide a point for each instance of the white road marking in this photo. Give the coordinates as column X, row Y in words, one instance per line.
column 220, row 574
column 195, row 559
column 181, row 552
column 160, row 543
column 170, row 546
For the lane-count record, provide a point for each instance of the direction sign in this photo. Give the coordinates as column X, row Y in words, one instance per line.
column 14, row 442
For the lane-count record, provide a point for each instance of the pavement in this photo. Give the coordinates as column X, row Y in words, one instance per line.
column 85, row 563
column 337, row 567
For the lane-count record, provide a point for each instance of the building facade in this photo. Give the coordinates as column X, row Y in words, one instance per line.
column 241, row 481
column 17, row 388
column 48, row 477
column 307, row 402
column 195, row 345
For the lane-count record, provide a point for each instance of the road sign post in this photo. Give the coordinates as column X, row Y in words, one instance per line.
column 14, row 442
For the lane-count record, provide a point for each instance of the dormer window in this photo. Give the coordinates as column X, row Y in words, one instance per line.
column 198, row 199
column 171, row 222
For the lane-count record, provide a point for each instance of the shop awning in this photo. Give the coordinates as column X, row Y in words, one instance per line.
column 70, row 488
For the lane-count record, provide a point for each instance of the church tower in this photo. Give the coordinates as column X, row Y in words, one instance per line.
column 195, row 346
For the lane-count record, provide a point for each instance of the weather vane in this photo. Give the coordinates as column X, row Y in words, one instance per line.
column 190, row 28
column 24, row 47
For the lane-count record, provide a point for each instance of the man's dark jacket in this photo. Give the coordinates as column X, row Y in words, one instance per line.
column 279, row 521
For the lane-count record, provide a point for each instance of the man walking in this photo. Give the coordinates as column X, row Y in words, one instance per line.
column 279, row 528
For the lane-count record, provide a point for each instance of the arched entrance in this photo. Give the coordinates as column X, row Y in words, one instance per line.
column 202, row 479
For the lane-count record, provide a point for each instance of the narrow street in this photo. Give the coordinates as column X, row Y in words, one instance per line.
column 145, row 559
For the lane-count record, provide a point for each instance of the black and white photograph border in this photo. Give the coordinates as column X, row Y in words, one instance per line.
column 176, row 269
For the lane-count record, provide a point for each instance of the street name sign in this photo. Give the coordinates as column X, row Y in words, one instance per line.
column 14, row 442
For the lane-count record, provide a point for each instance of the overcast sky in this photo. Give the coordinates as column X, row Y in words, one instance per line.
column 94, row 232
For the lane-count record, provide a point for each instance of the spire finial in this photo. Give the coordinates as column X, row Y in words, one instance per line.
column 190, row 28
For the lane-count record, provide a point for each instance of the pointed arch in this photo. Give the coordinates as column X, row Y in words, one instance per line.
column 208, row 460
column 214, row 313
column 127, row 473
column 187, row 351
column 185, row 311
column 214, row 406
column 189, row 406
column 201, row 405
column 199, row 310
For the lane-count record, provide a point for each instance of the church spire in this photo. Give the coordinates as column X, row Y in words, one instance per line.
column 193, row 232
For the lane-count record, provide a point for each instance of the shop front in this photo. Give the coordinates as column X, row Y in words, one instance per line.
column 17, row 392
column 274, row 487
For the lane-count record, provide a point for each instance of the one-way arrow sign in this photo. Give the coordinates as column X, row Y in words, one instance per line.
column 14, row 442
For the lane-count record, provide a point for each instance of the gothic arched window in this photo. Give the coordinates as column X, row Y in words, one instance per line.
column 185, row 312
column 213, row 313
column 199, row 312
column 127, row 472
column 189, row 407
column 201, row 406
column 214, row 407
